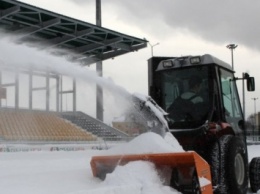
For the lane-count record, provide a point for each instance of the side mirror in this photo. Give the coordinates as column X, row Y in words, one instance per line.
column 242, row 124
column 250, row 82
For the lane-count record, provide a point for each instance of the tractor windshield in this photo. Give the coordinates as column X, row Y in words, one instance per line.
column 184, row 95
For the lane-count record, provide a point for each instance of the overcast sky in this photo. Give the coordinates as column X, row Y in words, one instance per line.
column 182, row 27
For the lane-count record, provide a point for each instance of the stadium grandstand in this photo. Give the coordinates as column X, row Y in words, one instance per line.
column 83, row 42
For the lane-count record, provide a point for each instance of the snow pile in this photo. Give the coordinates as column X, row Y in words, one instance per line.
column 137, row 177
column 140, row 177
column 147, row 143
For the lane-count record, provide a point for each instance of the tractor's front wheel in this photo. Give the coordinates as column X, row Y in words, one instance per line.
column 254, row 174
column 195, row 185
column 229, row 166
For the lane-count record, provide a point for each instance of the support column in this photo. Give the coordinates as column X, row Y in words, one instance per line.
column 16, row 87
column 30, row 89
column 99, row 94
column 58, row 94
column 61, row 95
column 0, row 87
column 47, row 91
column 74, row 95
column 99, row 69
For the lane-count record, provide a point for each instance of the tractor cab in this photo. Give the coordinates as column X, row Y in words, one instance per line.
column 199, row 94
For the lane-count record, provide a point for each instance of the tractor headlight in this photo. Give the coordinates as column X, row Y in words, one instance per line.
column 167, row 64
column 195, row 60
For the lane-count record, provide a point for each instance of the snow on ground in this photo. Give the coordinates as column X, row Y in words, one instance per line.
column 62, row 172
column 253, row 151
column 69, row 172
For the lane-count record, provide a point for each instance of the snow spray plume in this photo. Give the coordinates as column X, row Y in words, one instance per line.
column 151, row 113
column 22, row 56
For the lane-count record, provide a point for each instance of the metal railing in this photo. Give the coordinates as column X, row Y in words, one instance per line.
column 253, row 139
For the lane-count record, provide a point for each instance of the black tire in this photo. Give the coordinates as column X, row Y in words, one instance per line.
column 195, row 185
column 213, row 158
column 175, row 179
column 254, row 174
column 229, row 166
column 193, row 188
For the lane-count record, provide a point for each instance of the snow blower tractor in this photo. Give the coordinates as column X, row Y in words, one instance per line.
column 199, row 93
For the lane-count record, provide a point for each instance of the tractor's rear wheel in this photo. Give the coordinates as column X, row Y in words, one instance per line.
column 254, row 174
column 228, row 161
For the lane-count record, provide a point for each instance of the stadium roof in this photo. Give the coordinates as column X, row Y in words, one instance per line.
column 88, row 43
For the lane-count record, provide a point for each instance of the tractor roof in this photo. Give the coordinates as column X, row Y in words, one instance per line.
column 186, row 61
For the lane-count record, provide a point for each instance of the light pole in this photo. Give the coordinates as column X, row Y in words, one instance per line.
column 255, row 115
column 153, row 45
column 232, row 47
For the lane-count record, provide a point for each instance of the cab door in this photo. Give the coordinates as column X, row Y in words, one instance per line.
column 231, row 108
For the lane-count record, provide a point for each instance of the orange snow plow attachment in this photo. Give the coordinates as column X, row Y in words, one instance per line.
column 187, row 164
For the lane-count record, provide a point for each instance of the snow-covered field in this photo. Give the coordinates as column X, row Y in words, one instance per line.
column 69, row 172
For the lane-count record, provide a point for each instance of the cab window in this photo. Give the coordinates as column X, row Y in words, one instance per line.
column 230, row 98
